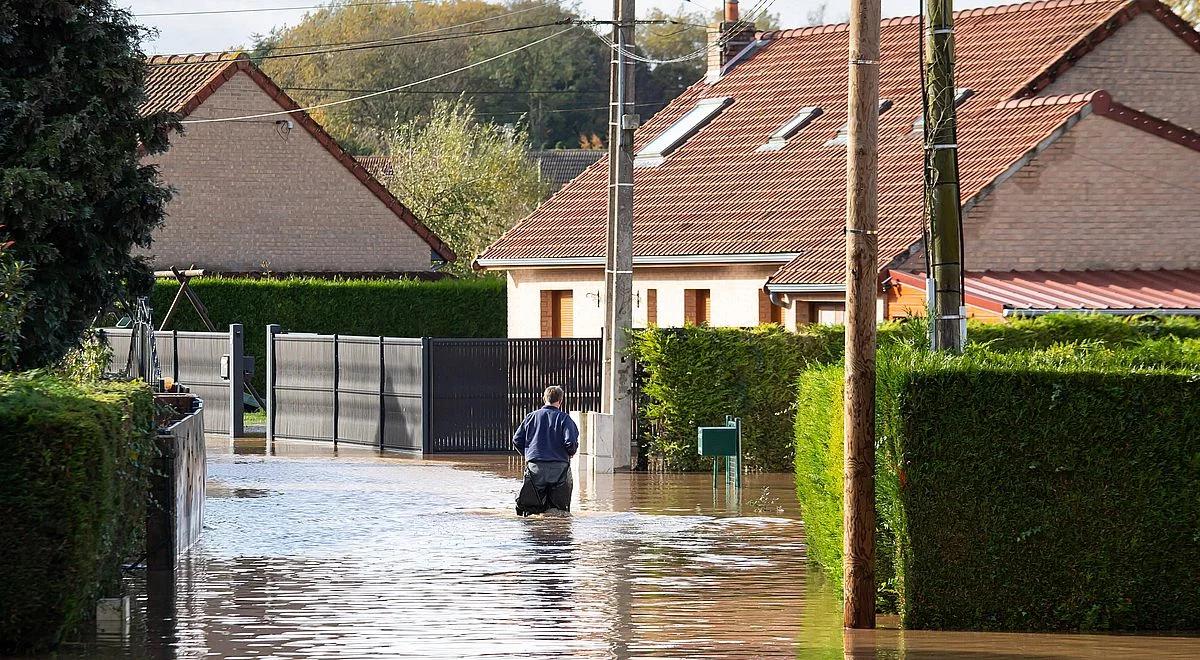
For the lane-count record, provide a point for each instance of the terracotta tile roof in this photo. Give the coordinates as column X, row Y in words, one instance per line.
column 379, row 166
column 180, row 83
column 718, row 195
column 1032, row 292
column 560, row 166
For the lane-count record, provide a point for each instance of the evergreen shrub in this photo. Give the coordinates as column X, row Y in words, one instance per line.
column 1036, row 490
column 73, row 490
column 389, row 307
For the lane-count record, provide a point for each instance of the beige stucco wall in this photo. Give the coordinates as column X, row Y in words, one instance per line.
column 1145, row 66
column 1104, row 196
column 734, row 292
column 247, row 194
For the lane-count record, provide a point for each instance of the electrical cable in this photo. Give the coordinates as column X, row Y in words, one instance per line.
column 384, row 91
column 758, row 11
column 201, row 12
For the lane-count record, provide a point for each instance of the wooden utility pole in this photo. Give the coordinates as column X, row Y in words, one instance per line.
column 862, row 248
column 618, row 272
column 943, row 208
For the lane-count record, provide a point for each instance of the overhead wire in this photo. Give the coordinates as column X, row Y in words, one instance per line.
column 251, row 10
column 757, row 11
column 390, row 90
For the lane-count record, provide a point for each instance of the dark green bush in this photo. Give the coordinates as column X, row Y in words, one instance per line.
column 694, row 376
column 1041, row 490
column 73, row 490
column 391, row 307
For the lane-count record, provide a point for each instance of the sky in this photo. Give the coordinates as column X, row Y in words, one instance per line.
column 218, row 32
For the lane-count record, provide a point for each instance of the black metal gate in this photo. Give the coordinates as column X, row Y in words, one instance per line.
column 479, row 390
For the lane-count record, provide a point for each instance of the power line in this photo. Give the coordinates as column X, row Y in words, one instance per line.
column 264, row 9
column 383, row 91
column 376, row 44
column 452, row 91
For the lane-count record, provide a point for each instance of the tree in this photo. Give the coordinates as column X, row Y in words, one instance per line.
column 14, row 301
column 73, row 196
column 1188, row 10
column 469, row 181
column 553, row 88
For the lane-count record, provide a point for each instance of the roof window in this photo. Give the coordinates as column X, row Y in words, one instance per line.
column 960, row 94
column 843, row 134
column 676, row 134
column 779, row 138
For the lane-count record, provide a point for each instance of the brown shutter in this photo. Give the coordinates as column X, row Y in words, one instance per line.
column 651, row 306
column 547, row 313
column 704, row 305
column 764, row 308
column 566, row 314
column 689, row 306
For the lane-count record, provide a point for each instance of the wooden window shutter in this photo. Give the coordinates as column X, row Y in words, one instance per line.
column 689, row 306
column 704, row 306
column 566, row 314
column 767, row 311
column 547, row 313
column 651, row 306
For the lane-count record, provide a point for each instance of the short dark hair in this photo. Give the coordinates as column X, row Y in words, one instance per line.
column 553, row 394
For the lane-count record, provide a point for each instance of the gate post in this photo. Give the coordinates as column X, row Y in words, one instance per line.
column 236, row 380
column 336, row 383
column 272, row 330
column 382, row 398
column 426, row 395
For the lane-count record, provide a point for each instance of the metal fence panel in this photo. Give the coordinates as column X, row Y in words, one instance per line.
column 403, row 386
column 359, row 366
column 303, row 387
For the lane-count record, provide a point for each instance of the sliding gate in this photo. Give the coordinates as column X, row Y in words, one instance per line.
column 481, row 389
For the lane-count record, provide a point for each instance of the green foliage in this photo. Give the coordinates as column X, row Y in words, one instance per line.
column 982, row 458
column 393, row 308
column 1188, row 10
column 694, row 376
column 573, row 68
column 73, row 484
column 87, row 362
column 14, row 301
column 470, row 182
column 73, row 194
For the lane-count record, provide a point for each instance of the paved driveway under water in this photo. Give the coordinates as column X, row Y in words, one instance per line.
column 308, row 554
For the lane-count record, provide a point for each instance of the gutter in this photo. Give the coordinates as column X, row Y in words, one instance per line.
column 805, row 288
column 646, row 260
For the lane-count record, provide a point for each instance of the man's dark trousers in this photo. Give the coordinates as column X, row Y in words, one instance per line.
column 547, row 485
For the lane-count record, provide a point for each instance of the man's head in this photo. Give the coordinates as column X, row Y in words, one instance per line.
column 553, row 396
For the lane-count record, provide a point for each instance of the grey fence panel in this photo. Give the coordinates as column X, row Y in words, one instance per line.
column 403, row 385
column 304, row 387
column 359, row 366
column 118, row 341
column 199, row 367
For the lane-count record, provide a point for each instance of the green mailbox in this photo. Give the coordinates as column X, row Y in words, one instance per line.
column 718, row 440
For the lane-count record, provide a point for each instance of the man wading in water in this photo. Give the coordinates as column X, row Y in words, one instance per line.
column 549, row 438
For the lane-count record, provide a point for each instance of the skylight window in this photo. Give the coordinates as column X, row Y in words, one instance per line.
column 960, row 94
column 779, row 138
column 843, row 134
column 676, row 134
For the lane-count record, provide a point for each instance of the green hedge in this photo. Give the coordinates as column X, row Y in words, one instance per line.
column 694, row 376
column 391, row 307
column 72, row 500
column 1042, row 490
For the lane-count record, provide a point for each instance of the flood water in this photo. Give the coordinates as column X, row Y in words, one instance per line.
column 308, row 554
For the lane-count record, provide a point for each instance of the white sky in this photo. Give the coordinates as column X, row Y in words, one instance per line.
column 186, row 34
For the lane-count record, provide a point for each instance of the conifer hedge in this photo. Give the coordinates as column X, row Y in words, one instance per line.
column 1035, row 490
column 73, row 490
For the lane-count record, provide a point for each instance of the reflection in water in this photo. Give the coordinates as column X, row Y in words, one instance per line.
column 307, row 554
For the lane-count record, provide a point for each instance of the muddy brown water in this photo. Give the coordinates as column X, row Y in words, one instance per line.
column 308, row 553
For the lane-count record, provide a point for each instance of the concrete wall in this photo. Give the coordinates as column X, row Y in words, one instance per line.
column 1104, row 196
column 1145, row 66
column 734, row 295
column 248, row 193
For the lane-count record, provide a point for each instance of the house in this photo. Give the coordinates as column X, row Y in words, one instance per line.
column 1074, row 158
column 273, row 193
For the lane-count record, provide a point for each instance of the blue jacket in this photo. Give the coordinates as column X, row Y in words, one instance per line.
column 547, row 434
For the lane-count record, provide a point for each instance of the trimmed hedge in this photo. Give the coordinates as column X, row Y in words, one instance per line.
column 983, row 459
column 694, row 376
column 73, row 489
column 391, row 307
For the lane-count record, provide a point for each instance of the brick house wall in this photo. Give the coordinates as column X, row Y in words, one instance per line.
column 1144, row 65
column 248, row 192
column 1104, row 196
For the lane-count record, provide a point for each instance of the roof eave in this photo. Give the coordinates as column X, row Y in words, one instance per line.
column 502, row 263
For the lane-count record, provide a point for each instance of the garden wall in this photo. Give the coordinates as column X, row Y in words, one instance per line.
column 73, row 482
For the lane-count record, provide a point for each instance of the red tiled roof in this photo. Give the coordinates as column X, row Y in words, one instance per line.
column 1111, row 291
column 717, row 195
column 180, row 83
column 379, row 166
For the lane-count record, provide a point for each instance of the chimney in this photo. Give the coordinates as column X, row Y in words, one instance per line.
column 737, row 35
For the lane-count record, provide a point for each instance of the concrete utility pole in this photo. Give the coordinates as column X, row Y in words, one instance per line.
column 862, row 248
column 943, row 208
column 618, row 271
